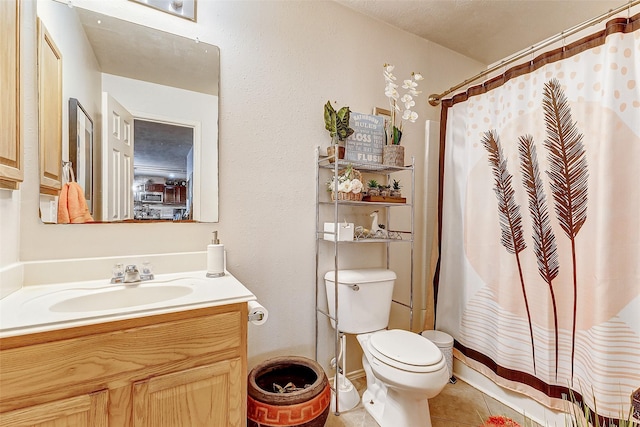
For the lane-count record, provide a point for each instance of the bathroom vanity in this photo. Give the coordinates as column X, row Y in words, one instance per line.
column 165, row 366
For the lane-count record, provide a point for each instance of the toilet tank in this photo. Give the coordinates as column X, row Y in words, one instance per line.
column 364, row 299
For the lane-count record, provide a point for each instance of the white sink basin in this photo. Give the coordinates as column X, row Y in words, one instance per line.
column 122, row 297
column 40, row 308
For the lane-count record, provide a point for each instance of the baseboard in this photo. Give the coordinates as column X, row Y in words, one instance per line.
column 351, row 376
column 356, row 375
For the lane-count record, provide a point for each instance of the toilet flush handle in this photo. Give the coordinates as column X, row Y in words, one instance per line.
column 354, row 287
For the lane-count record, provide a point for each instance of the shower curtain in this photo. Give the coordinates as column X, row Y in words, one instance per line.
column 539, row 269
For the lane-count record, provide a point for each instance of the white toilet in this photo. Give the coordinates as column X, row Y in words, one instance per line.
column 403, row 368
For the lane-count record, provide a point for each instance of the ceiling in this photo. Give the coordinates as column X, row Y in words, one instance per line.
column 161, row 149
column 485, row 30
column 138, row 52
column 126, row 49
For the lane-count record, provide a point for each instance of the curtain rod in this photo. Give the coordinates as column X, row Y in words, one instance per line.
column 434, row 99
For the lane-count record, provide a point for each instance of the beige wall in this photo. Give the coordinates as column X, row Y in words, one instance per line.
column 280, row 62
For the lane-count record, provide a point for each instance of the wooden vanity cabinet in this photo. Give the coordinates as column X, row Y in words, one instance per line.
column 178, row 369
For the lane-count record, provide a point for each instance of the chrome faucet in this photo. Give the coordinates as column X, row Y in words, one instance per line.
column 131, row 274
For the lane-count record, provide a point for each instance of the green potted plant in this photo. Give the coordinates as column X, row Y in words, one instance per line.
column 337, row 123
column 373, row 187
column 395, row 189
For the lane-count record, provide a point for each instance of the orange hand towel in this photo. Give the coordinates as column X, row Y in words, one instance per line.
column 72, row 206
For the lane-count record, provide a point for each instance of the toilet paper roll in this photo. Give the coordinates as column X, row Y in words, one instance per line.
column 255, row 311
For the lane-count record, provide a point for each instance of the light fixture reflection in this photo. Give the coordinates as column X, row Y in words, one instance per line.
column 182, row 8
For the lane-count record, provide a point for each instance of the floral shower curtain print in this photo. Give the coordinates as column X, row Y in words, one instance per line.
column 539, row 270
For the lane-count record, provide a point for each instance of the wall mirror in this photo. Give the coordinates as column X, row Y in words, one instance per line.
column 139, row 119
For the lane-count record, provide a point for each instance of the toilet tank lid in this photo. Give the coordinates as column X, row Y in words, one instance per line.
column 364, row 275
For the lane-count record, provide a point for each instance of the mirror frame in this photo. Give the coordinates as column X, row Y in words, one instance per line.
column 81, row 148
column 209, row 195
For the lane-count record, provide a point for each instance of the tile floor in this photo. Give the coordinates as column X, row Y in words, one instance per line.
column 458, row 405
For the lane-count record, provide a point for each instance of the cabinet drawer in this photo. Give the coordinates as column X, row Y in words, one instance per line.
column 88, row 410
column 98, row 359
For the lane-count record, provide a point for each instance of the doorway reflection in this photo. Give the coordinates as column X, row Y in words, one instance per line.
column 163, row 171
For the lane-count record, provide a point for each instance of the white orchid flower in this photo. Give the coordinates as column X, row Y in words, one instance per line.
column 409, row 84
column 391, row 93
column 408, row 101
column 412, row 116
column 398, row 116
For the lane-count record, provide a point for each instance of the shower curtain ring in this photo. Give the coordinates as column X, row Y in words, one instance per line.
column 532, row 52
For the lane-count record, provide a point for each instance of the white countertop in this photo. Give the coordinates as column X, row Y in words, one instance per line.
column 28, row 310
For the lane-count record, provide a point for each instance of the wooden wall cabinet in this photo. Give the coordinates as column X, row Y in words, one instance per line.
column 11, row 163
column 49, row 112
column 175, row 195
column 186, row 368
column 156, row 188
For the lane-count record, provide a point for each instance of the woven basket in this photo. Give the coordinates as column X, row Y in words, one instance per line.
column 349, row 196
column 393, row 155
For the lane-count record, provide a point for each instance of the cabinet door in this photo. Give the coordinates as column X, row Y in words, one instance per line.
column 89, row 410
column 170, row 195
column 154, row 187
column 49, row 112
column 205, row 396
column 10, row 146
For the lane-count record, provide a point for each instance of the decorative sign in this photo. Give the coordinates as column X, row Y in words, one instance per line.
column 365, row 144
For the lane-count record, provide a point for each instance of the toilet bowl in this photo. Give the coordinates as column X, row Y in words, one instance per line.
column 403, row 371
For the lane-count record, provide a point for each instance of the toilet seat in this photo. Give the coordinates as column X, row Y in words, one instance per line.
column 405, row 350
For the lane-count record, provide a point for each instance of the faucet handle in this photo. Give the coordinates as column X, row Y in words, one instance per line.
column 147, row 268
column 147, row 271
column 118, row 273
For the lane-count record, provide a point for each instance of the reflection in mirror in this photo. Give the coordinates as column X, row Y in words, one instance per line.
column 152, row 98
column 81, row 149
column 162, row 170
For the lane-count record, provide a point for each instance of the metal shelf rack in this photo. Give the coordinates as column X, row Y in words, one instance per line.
column 325, row 166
